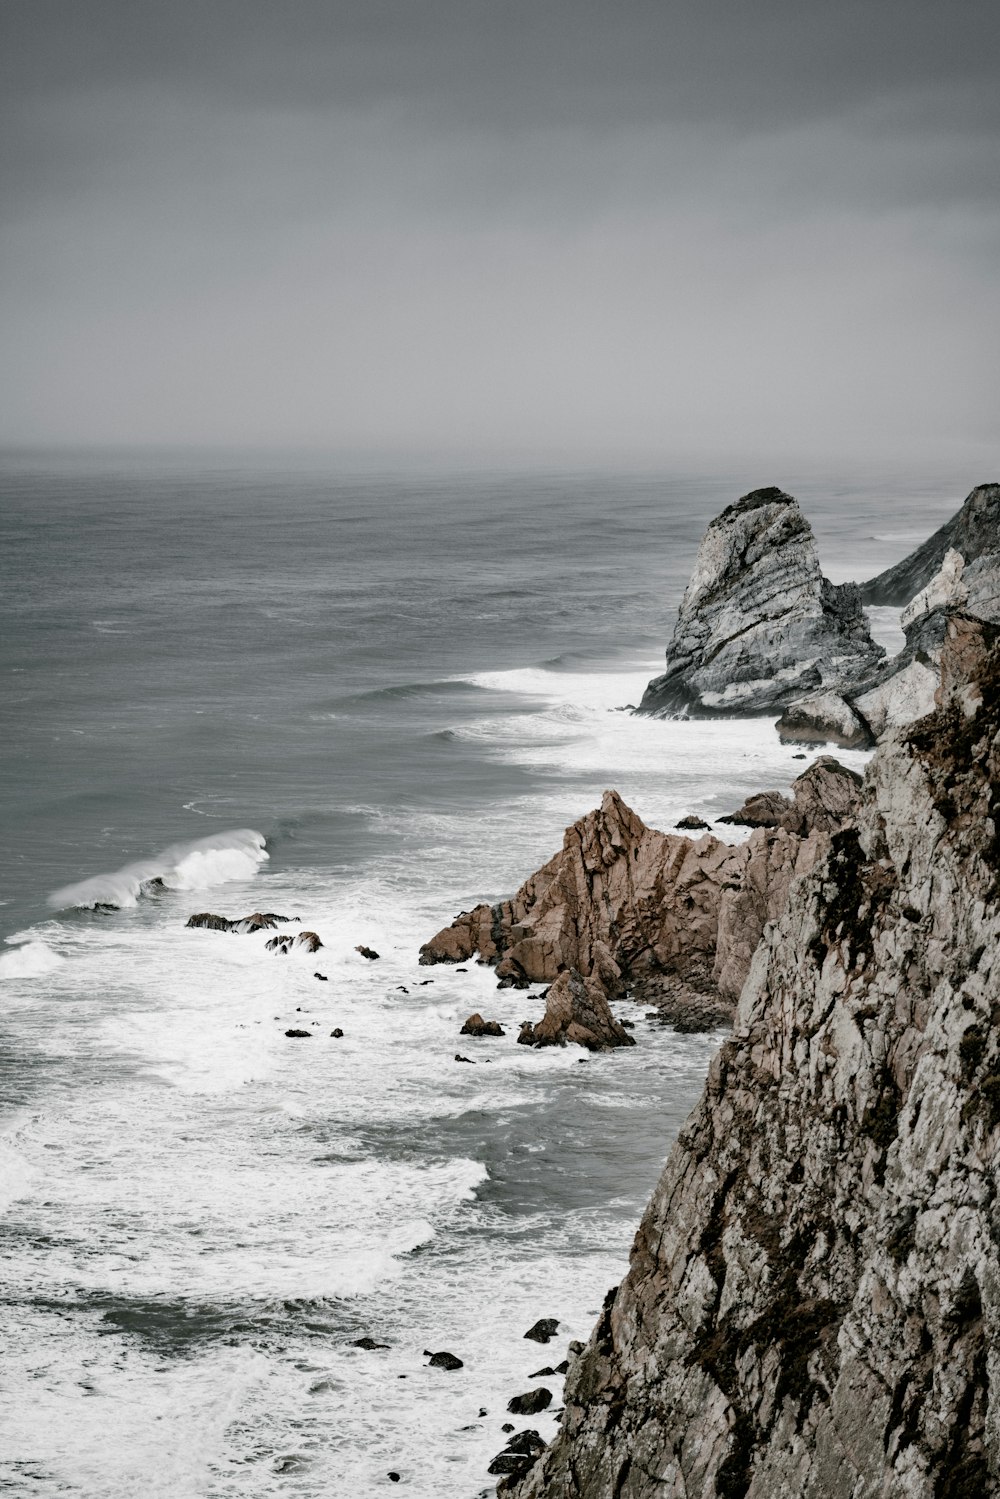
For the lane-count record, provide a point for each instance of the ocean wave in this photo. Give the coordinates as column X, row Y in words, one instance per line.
column 29, row 960
column 233, row 855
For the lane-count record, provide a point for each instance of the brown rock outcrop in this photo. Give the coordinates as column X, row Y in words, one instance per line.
column 642, row 909
column 812, row 1309
column 477, row 1026
column 576, row 1010
column 257, row 922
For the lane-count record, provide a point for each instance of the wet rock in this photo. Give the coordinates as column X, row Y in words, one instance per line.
column 691, row 823
column 973, row 531
column 210, row 922
column 393, row 1476
column 477, row 1026
column 544, row 1330
column 368, row 1343
column 530, row 1403
column 443, row 1360
column 298, row 1035
column 367, row 952
column 460, row 1058
column 542, row 1373
column 759, row 625
column 322, row 977
column 561, row 1368
column 309, row 940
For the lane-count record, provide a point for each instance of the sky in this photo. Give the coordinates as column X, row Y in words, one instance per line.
column 623, row 230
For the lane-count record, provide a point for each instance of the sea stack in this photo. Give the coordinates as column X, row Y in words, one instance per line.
column 813, row 1305
column 759, row 625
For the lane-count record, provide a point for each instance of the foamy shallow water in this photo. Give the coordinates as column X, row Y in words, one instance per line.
column 206, row 1214
column 198, row 1216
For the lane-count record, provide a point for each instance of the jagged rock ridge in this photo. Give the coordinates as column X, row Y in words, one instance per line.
column 975, row 529
column 672, row 919
column 759, row 625
column 813, row 1304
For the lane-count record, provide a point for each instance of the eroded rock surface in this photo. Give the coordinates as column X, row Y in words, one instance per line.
column 974, row 530
column 576, row 1011
column 812, row 1309
column 759, row 625
column 673, row 920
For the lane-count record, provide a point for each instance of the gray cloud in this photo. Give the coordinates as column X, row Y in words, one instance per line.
column 628, row 228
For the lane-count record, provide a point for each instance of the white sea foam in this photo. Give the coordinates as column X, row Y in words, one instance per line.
column 198, row 865
column 29, row 960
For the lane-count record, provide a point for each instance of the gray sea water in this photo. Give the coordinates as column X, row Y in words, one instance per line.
column 367, row 699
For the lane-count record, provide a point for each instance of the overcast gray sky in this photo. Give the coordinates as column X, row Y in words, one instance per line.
column 620, row 229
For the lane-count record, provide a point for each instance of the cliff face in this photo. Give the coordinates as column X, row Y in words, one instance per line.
column 975, row 529
column 813, row 1304
column 759, row 625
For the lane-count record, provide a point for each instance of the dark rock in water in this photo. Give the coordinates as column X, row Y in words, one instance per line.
column 367, row 952
column 460, row 1058
column 393, row 1476
column 800, row 757
column 514, row 980
column 975, row 529
column 690, row 822
column 562, row 1368
column 507, row 1425
column 530, row 1403
column 259, row 921
column 477, row 1026
column 527, row 1443
column 759, row 625
column 284, row 942
column 461, row 970
column 309, row 940
column 509, row 1462
column 298, row 1035
column 402, row 989
column 368, row 1343
column 322, row 977
column 337, row 1032
column 544, row 1330
column 210, row 921
column 443, row 1360
column 542, row 1373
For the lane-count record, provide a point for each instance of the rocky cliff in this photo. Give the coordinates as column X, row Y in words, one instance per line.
column 759, row 625
column 672, row 919
column 975, row 529
column 812, row 1308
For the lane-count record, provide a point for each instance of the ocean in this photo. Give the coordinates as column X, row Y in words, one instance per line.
column 366, row 698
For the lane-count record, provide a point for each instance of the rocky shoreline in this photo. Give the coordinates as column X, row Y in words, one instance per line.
column 812, row 1309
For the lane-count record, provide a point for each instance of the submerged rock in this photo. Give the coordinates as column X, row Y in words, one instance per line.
column 811, row 1309
column 298, row 1035
column 258, row 921
column 973, row 531
column 368, row 952
column 759, row 625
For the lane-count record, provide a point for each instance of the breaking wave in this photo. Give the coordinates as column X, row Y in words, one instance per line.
column 234, row 855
